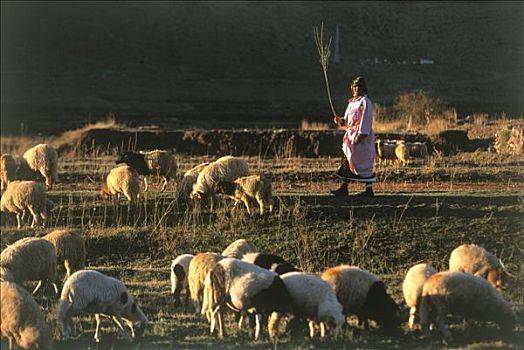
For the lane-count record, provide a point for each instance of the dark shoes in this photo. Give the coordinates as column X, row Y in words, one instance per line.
column 368, row 193
column 342, row 191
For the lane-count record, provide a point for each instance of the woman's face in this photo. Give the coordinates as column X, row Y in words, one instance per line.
column 354, row 90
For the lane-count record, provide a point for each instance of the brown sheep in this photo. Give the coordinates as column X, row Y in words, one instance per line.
column 70, row 249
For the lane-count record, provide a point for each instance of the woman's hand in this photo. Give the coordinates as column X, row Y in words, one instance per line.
column 338, row 120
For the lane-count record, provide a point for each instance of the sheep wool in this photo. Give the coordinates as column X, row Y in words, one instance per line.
column 44, row 159
column 29, row 259
column 25, row 195
column 95, row 293
column 239, row 248
column 21, row 320
column 476, row 260
column 185, row 186
column 386, row 151
column 402, row 152
column 161, row 163
column 7, row 170
column 198, row 268
column 122, row 179
column 70, row 249
column 249, row 189
column 462, row 294
column 179, row 276
column 270, row 262
column 412, row 287
column 227, row 168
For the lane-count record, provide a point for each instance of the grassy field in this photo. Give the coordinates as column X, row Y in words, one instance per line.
column 420, row 213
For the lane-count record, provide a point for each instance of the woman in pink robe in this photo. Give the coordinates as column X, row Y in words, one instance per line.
column 358, row 143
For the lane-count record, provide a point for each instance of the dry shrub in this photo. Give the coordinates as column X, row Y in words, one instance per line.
column 307, row 125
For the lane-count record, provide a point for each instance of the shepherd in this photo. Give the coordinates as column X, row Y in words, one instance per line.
column 358, row 144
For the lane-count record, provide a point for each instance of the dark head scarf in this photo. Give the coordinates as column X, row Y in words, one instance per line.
column 361, row 83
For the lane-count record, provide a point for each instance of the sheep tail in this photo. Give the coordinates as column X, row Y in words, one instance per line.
column 217, row 291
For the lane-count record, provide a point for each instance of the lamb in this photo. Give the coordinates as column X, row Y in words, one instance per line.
column 474, row 259
column 412, row 287
column 70, row 249
column 122, row 179
column 29, row 259
column 21, row 319
column 185, row 186
column 402, row 152
column 93, row 292
column 270, row 262
column 460, row 293
column 156, row 162
column 248, row 189
column 179, row 279
column 313, row 299
column 243, row 287
column 417, row 149
column 386, row 151
column 25, row 195
column 363, row 294
column 223, row 169
column 198, row 268
column 44, row 159
column 239, row 248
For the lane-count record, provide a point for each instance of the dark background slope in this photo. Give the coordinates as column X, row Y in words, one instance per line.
column 248, row 64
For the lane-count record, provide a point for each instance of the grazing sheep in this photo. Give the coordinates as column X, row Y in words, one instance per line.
column 156, row 162
column 70, row 249
column 402, row 152
column 44, row 159
column 179, row 273
column 248, row 189
column 198, row 268
column 460, row 293
column 243, row 287
column 474, row 259
column 184, row 188
column 122, row 179
column 363, row 294
column 412, row 287
column 29, row 259
column 95, row 293
column 25, row 195
column 314, row 300
column 417, row 149
column 7, row 170
column 386, row 151
column 223, row 169
column 270, row 262
column 238, row 248
column 21, row 319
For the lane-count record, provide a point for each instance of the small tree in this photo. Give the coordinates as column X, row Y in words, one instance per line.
column 419, row 108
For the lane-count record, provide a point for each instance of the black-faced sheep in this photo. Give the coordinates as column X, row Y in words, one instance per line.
column 412, row 287
column 474, row 259
column 70, row 249
column 314, row 300
column 179, row 276
column 243, row 287
column 363, row 294
column 44, row 159
column 95, row 293
column 21, row 320
column 156, row 162
column 270, row 262
column 223, row 169
column 184, row 188
column 248, row 189
column 199, row 266
column 29, row 259
column 239, row 248
column 25, row 195
column 122, row 179
column 460, row 293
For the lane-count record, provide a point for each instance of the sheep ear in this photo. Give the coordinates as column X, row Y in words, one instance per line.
column 124, row 298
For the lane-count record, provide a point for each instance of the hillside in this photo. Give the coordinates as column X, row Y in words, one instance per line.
column 247, row 64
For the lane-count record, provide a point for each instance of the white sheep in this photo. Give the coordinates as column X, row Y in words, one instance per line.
column 249, row 189
column 412, row 287
column 227, row 168
column 314, row 300
column 402, row 152
column 386, row 151
column 21, row 320
column 184, row 188
column 25, row 195
column 44, row 159
column 239, row 248
column 363, row 294
column 179, row 276
column 29, row 259
column 95, row 293
column 243, row 287
column 463, row 294
column 70, row 249
column 122, row 180
column 198, row 268
column 474, row 259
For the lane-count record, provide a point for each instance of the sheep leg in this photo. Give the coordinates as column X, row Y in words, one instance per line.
column 69, row 269
column 120, row 323
column 165, row 184
column 260, row 202
column 322, row 329
column 273, row 324
column 441, row 325
column 145, row 184
column 412, row 312
column 98, row 318
column 18, row 221
column 37, row 286
column 257, row 325
column 248, row 205
column 311, row 329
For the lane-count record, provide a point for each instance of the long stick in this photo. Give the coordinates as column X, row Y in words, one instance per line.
column 324, row 52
